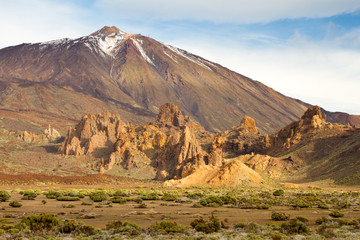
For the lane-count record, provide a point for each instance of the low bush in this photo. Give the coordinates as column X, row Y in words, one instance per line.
column 278, row 192
column 67, row 198
column 124, row 228
column 4, row 196
column 167, row 227
column 40, row 222
column 279, row 216
column 211, row 201
column 99, row 196
column 295, row 227
column 29, row 195
column 15, row 204
column 336, row 214
column 240, row 225
column 323, row 205
column 301, row 203
column 51, row 194
column 150, row 196
column 213, row 225
column 68, row 226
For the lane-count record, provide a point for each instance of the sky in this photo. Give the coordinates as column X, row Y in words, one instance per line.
column 305, row 49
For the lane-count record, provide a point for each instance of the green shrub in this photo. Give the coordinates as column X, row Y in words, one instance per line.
column 279, row 216
column 336, row 214
column 322, row 220
column 197, row 205
column 323, row 205
column 15, row 204
column 167, row 227
column 40, row 222
column 51, row 194
column 150, row 196
column 122, row 193
column 169, row 197
column 240, row 225
column 301, row 219
column 301, row 203
column 294, row 227
column 86, row 203
column 68, row 226
column 211, row 201
column 278, row 192
column 67, row 198
column 213, row 225
column 98, row 196
column 124, row 228
column 138, row 200
column 4, row 196
column 85, row 229
column 29, row 195
column 69, row 206
column 43, row 202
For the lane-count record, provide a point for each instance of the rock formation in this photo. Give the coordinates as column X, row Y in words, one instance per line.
column 94, row 131
column 184, row 153
column 311, row 122
column 169, row 145
column 50, row 135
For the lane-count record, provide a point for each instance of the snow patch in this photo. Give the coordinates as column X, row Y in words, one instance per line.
column 189, row 57
column 142, row 52
column 172, row 57
column 57, row 42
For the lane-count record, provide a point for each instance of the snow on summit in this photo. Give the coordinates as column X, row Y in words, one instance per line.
column 108, row 38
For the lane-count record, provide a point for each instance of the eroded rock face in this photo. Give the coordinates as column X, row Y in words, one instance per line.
column 170, row 146
column 93, row 132
column 181, row 155
column 50, row 135
column 170, row 114
column 312, row 120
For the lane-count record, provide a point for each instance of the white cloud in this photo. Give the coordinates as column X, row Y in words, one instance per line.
column 220, row 11
column 40, row 20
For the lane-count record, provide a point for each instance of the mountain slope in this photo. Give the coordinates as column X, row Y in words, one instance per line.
column 136, row 75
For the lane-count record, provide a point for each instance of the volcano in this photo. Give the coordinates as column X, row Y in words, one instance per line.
column 59, row 81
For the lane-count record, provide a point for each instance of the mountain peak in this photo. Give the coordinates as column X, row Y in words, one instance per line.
column 107, row 31
column 108, row 39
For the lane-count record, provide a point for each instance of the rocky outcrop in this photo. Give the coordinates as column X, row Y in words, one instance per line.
column 94, row 131
column 50, row 135
column 242, row 139
column 181, row 155
column 170, row 114
column 311, row 122
column 170, row 146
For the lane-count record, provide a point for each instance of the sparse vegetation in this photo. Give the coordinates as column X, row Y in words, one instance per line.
column 99, row 196
column 336, row 214
column 15, row 204
column 4, row 196
column 280, row 216
column 167, row 227
column 214, row 201
column 210, row 226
